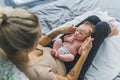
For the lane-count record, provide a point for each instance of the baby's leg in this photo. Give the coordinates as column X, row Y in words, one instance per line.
column 54, row 52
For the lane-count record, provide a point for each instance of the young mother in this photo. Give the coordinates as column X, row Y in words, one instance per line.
column 20, row 34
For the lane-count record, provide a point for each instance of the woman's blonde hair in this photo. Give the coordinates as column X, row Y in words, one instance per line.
column 19, row 30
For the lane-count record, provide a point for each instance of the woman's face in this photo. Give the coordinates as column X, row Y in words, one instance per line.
column 82, row 32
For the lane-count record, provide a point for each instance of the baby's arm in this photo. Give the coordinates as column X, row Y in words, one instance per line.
column 69, row 37
column 57, row 44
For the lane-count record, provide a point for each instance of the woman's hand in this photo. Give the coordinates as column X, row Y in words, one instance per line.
column 44, row 40
column 86, row 45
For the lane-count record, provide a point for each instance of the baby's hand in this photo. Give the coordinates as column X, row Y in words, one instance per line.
column 54, row 52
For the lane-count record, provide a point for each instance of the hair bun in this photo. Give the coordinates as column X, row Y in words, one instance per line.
column 4, row 17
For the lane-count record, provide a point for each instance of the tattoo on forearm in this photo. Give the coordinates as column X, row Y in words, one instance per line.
column 52, row 35
column 72, row 73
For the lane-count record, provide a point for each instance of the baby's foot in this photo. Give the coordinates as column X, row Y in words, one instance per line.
column 54, row 52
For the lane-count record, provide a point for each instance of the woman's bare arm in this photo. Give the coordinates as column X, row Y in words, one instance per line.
column 44, row 40
column 75, row 71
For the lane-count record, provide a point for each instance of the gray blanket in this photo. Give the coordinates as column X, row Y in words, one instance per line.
column 57, row 12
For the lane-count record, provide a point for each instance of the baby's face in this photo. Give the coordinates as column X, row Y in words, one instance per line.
column 82, row 32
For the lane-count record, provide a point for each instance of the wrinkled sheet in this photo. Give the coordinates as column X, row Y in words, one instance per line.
column 58, row 12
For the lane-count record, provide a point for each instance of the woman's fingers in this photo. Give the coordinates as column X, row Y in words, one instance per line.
column 87, row 43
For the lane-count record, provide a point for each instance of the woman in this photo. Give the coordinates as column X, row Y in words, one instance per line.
column 20, row 34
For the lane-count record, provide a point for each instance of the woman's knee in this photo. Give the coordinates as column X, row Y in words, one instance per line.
column 94, row 19
column 103, row 27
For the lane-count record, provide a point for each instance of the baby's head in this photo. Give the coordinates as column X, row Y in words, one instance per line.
column 90, row 26
column 84, row 30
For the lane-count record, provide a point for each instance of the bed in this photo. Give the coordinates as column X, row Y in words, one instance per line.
column 54, row 13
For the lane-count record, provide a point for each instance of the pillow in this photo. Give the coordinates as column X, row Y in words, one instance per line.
column 8, row 71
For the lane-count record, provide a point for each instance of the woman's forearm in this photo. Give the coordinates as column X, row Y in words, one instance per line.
column 58, row 77
column 75, row 71
column 44, row 40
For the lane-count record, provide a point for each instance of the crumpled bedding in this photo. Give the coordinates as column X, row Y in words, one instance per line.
column 58, row 12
